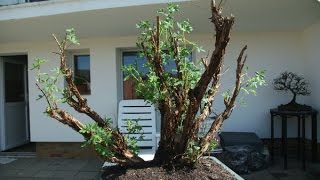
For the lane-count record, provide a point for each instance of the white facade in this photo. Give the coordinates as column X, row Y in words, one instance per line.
column 274, row 50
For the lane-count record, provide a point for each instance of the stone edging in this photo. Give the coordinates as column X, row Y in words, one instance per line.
column 210, row 157
column 225, row 167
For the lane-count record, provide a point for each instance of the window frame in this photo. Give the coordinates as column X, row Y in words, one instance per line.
column 119, row 64
column 73, row 67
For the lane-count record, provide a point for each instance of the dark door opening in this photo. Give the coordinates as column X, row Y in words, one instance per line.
column 15, row 118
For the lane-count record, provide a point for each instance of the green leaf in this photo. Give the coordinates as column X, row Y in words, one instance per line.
column 71, row 36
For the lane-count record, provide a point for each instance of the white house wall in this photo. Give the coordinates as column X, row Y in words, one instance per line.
column 312, row 47
column 274, row 52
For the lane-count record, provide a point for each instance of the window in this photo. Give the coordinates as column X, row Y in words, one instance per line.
column 82, row 73
column 14, row 82
column 129, row 58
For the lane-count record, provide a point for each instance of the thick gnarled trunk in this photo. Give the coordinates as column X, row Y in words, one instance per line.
column 173, row 144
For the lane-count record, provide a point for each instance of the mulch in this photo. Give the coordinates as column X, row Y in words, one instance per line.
column 206, row 169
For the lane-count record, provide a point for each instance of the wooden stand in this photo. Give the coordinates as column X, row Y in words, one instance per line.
column 300, row 115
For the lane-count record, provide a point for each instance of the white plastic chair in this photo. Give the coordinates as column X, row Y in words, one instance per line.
column 145, row 114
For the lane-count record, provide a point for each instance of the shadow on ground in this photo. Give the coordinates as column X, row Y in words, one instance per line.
column 294, row 171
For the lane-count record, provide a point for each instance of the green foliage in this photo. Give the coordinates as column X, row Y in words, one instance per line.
column 149, row 85
column 192, row 153
column 71, row 36
column 175, row 48
column 213, row 145
column 100, row 139
column 252, row 83
column 108, row 120
column 48, row 83
column 249, row 85
column 133, row 128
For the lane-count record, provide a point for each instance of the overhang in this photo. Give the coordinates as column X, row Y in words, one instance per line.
column 251, row 16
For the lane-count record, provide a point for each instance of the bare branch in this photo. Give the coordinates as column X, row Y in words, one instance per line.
column 205, row 63
column 65, row 118
column 229, row 103
column 45, row 95
column 73, row 96
column 223, row 27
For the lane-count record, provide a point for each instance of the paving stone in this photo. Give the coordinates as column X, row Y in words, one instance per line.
column 300, row 177
column 92, row 165
column 260, row 175
column 87, row 175
column 68, row 169
column 9, row 172
column 67, row 164
column 28, row 172
column 44, row 174
column 64, row 174
column 20, row 163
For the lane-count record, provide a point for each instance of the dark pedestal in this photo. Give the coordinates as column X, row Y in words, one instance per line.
column 301, row 115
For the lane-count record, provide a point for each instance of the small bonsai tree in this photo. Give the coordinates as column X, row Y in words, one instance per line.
column 293, row 83
column 184, row 96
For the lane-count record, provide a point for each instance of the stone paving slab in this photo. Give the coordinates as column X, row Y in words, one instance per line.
column 293, row 172
column 50, row 168
column 260, row 175
column 75, row 169
column 86, row 175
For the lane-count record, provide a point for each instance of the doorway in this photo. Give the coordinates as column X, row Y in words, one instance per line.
column 14, row 118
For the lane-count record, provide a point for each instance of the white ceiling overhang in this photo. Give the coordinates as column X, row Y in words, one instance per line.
column 54, row 7
column 120, row 20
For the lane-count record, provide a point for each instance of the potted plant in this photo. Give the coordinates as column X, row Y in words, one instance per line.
column 296, row 85
column 185, row 101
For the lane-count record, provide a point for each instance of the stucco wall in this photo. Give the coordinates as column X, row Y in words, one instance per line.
column 311, row 37
column 274, row 52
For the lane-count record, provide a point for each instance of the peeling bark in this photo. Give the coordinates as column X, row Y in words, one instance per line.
column 181, row 107
column 123, row 155
column 211, row 76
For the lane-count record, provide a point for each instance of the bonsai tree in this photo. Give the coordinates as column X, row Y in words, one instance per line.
column 296, row 85
column 184, row 96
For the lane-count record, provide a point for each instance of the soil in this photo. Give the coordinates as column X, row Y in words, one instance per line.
column 206, row 169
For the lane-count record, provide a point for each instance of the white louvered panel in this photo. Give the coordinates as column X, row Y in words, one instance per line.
column 146, row 137
column 136, row 116
column 149, row 122
column 125, row 110
column 134, row 102
column 145, row 114
column 151, row 130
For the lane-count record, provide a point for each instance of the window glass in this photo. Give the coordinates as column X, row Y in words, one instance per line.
column 130, row 58
column 82, row 73
column 14, row 82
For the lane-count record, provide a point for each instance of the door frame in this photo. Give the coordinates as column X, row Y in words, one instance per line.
column 2, row 99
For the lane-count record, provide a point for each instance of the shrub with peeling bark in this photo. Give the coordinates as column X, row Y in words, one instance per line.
column 184, row 96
